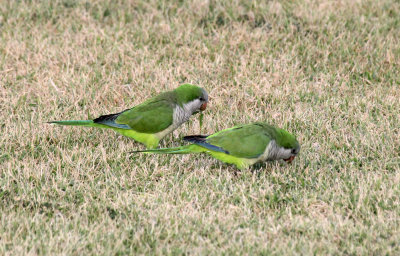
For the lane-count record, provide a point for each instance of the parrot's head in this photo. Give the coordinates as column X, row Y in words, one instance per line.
column 192, row 97
column 291, row 146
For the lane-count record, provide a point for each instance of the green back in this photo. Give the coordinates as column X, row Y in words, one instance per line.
column 245, row 141
column 281, row 136
column 251, row 140
column 152, row 116
column 156, row 114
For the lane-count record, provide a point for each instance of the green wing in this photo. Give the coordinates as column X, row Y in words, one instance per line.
column 245, row 141
column 152, row 116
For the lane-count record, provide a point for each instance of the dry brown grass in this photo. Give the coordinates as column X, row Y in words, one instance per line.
column 327, row 71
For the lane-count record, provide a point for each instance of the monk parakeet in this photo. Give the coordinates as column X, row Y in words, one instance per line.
column 152, row 120
column 242, row 145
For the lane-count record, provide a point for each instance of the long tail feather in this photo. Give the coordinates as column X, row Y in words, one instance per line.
column 201, row 140
column 178, row 150
column 88, row 123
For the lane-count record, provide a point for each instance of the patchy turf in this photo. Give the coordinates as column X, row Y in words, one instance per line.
column 327, row 71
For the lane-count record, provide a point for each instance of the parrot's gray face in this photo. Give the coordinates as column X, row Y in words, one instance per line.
column 200, row 104
column 290, row 154
column 276, row 152
column 182, row 114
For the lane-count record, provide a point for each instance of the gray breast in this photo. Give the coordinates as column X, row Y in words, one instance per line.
column 276, row 152
column 182, row 114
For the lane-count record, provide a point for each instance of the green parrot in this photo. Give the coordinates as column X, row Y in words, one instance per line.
column 242, row 145
column 152, row 120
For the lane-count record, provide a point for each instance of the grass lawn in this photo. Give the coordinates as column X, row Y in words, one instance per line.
column 327, row 71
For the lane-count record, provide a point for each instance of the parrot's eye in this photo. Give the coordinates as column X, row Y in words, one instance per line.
column 294, row 151
column 201, row 99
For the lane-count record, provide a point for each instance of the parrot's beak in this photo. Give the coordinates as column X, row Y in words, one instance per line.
column 290, row 159
column 203, row 106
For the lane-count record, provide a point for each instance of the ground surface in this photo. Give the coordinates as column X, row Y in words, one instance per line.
column 327, row 71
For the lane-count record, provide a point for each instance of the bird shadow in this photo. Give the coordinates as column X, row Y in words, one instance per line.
column 258, row 168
